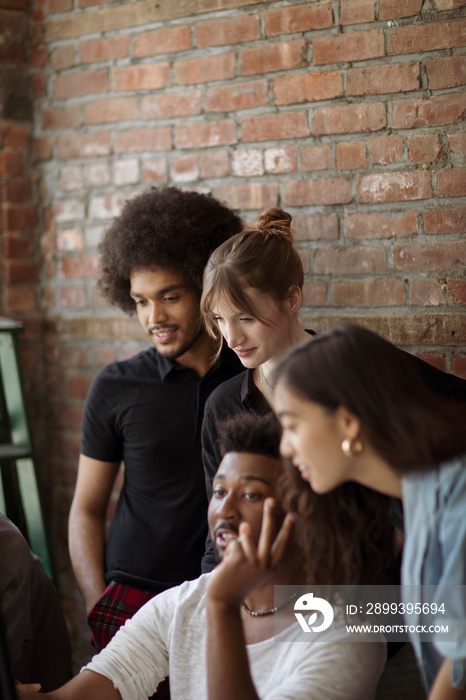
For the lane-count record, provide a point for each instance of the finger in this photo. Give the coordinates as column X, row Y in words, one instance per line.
column 246, row 541
column 32, row 687
column 281, row 540
column 268, row 529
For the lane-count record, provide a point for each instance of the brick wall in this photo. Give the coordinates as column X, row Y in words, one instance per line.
column 350, row 114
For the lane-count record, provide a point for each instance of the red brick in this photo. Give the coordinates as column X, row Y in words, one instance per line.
column 395, row 187
column 446, row 72
column 231, row 98
column 60, row 6
column 80, row 266
column 104, row 49
column 300, row 18
column 171, row 104
column 185, row 169
column 381, row 292
column 21, row 300
column 457, row 142
column 275, row 126
column 374, row 225
column 11, row 52
column 304, row 257
column 451, row 183
column 204, row 70
column 154, row 170
column 20, row 272
column 84, row 82
column 70, row 178
column 313, row 227
column 12, row 23
column 329, row 191
column 143, row 77
column 16, row 190
column 314, row 294
column 445, row 221
column 456, row 288
column 114, row 110
column 281, row 159
column 63, row 57
column 308, row 87
column 144, row 139
column 126, row 172
column 442, row 5
column 67, row 416
column 162, row 41
column 353, row 46
column 247, row 162
column 215, row 164
column 350, row 118
column 426, row 293
column 356, row 11
column 204, row 133
column 74, row 296
column 68, row 209
column 419, row 257
column 458, row 365
column 253, row 195
column 376, row 80
column 433, row 359
column 424, row 148
column 96, row 174
column 415, row 113
column 429, row 36
column 351, row 155
column 353, row 260
column 17, row 246
column 11, row 163
column 78, row 385
column 16, row 136
column 67, row 118
column 70, row 239
column 17, row 217
column 39, row 84
column 42, row 148
column 389, row 9
column 83, row 145
column 39, row 56
column 283, row 55
column 234, row 30
column 386, row 149
column 107, row 206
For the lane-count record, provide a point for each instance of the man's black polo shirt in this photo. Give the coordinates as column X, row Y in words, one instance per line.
column 147, row 412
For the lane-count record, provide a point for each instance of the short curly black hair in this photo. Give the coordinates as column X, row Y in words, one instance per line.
column 165, row 228
column 247, row 432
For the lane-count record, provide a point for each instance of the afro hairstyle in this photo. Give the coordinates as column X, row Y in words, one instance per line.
column 164, row 228
column 250, row 433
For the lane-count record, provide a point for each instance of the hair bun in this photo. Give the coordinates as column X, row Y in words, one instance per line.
column 276, row 222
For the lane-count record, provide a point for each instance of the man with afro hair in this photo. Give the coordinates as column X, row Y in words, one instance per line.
column 147, row 411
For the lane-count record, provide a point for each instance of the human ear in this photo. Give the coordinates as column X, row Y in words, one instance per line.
column 348, row 423
column 293, row 300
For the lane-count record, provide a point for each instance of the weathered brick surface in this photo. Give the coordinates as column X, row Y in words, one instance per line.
column 348, row 112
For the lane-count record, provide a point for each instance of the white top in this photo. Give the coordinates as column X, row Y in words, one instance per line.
column 168, row 637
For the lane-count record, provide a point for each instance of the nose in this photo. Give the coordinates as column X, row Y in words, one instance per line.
column 233, row 335
column 285, row 446
column 157, row 314
column 228, row 508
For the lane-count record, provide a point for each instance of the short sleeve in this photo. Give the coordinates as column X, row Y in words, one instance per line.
column 101, row 438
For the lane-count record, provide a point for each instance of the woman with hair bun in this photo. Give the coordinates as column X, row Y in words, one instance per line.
column 251, row 296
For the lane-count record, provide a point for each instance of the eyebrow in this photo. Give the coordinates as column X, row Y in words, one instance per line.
column 161, row 292
column 246, row 478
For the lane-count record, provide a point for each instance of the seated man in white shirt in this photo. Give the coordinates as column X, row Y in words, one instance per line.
column 214, row 636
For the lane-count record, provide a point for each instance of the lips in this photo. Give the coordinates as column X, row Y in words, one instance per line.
column 244, row 353
column 163, row 335
column 225, row 533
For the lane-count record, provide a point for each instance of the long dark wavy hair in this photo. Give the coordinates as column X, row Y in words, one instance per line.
column 346, row 534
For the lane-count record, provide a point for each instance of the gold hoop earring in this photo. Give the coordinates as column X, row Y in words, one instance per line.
column 351, row 448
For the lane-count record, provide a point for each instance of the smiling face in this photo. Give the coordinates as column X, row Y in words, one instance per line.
column 312, row 437
column 241, row 485
column 167, row 310
column 254, row 341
